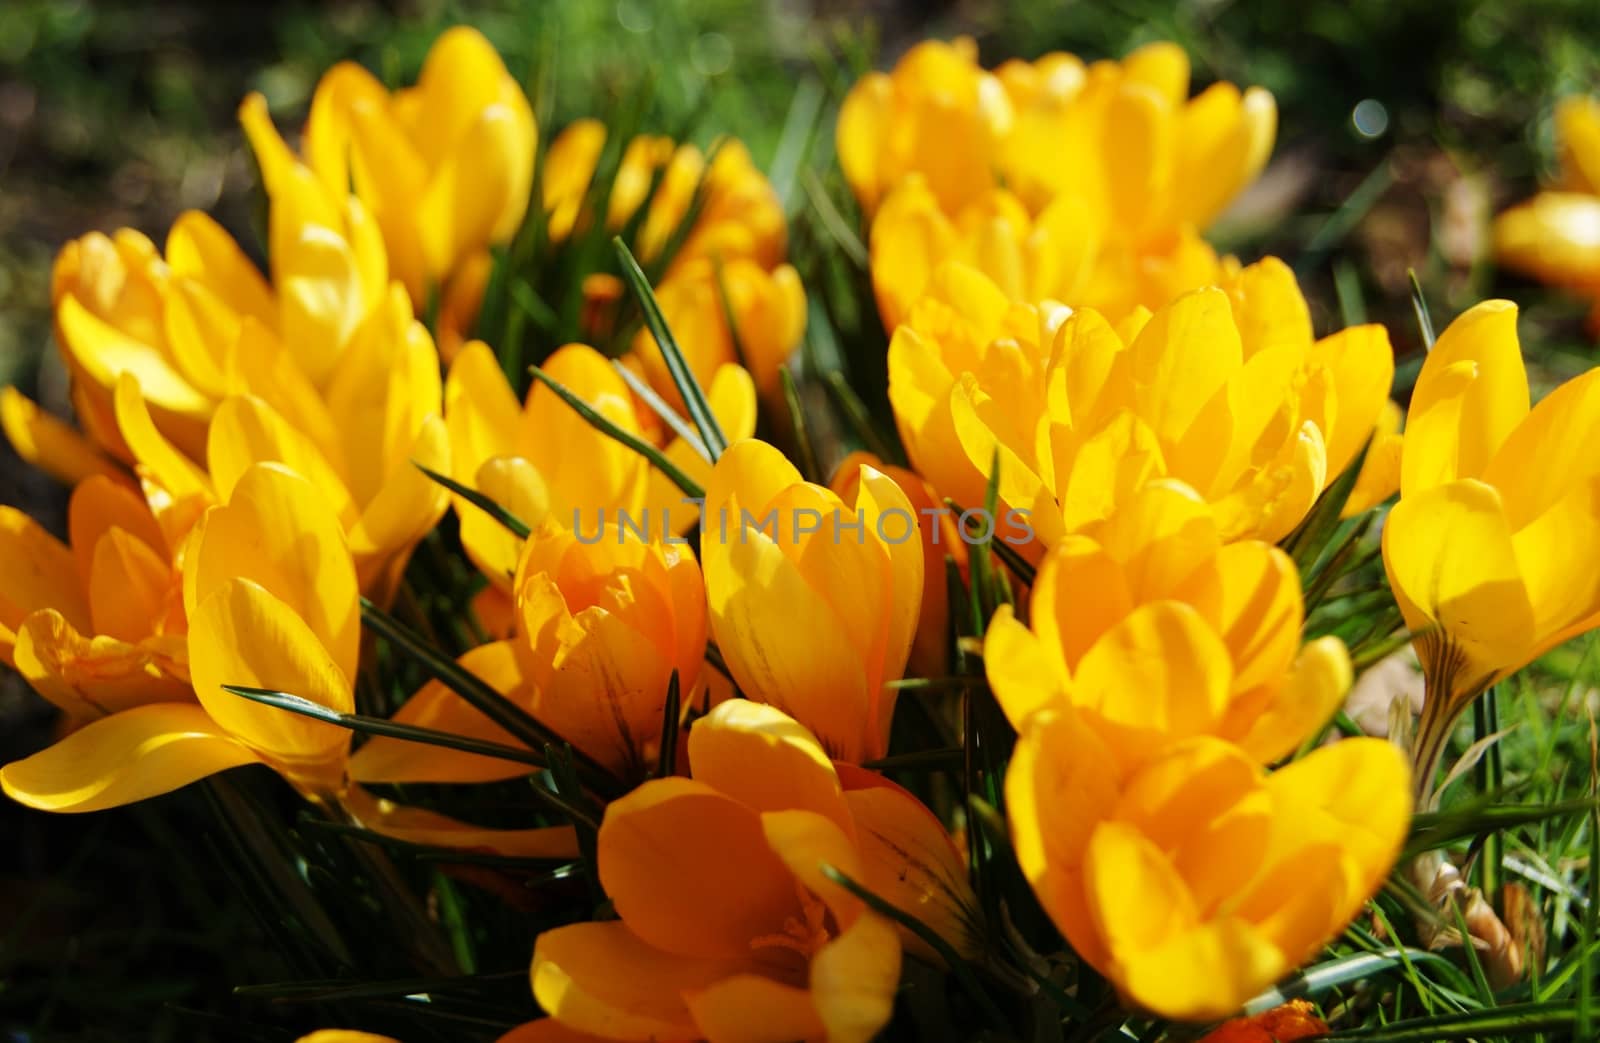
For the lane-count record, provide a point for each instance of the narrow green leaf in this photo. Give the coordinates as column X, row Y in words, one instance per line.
column 1334, row 973
column 794, row 143
column 475, row 691
column 380, row 726
column 657, row 459
column 844, row 237
column 1419, row 304
column 1520, row 1019
column 516, row 526
column 671, row 713
column 683, row 378
column 809, row 468
column 921, row 760
column 658, row 405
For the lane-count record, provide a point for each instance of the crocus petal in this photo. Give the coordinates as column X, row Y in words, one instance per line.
column 39, row 573
column 247, row 431
column 277, row 530
column 854, row 979
column 1021, row 673
column 51, row 445
column 1313, row 690
column 602, row 979
column 690, row 872
column 127, row 757
column 767, row 761
column 243, row 635
column 421, row 826
column 749, row 1008
column 90, row 676
column 156, row 456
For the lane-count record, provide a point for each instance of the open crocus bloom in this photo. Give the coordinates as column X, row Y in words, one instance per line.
column 1183, row 636
column 385, row 390
column 814, row 603
column 546, row 464
column 604, row 618
column 445, row 166
column 99, row 626
column 271, row 596
column 1195, row 879
column 1224, row 389
column 729, row 930
column 1555, row 236
column 1491, row 551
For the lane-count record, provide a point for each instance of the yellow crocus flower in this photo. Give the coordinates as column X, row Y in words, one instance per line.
column 1489, row 550
column 1184, row 636
column 1555, row 236
column 1224, row 389
column 97, row 626
column 445, row 166
column 814, row 602
column 727, row 927
column 1194, row 880
column 604, row 618
column 545, row 463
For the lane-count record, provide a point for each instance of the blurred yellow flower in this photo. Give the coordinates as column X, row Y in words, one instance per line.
column 444, row 167
column 1555, row 236
column 1224, row 389
column 1491, row 551
column 927, row 147
column 727, row 927
column 1184, row 637
column 814, row 602
column 1194, row 880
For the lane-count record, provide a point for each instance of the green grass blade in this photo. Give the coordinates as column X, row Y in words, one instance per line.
column 658, row 405
column 516, row 526
column 657, row 459
column 694, row 397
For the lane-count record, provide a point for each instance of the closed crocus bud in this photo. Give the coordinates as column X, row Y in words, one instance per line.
column 1195, row 880
column 937, row 114
column 814, row 602
column 444, row 167
column 1184, row 637
column 727, row 926
column 329, row 266
column 170, row 321
column 734, row 313
column 1491, row 551
column 1224, row 389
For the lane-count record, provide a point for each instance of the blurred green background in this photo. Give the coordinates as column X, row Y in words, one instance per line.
column 117, row 113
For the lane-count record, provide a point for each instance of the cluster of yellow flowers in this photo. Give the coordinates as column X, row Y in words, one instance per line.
column 261, row 454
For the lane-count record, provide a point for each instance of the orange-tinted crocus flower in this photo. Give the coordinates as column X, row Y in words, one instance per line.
column 1224, row 389
column 603, row 619
column 1555, row 236
column 1295, row 1020
column 99, row 626
column 1194, row 880
column 814, row 602
column 728, row 929
column 1491, row 551
column 445, row 166
column 1184, row 636
column 544, row 462
column 344, row 1036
